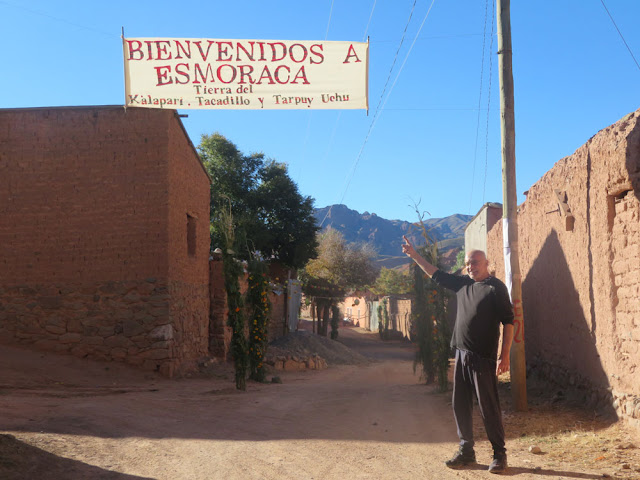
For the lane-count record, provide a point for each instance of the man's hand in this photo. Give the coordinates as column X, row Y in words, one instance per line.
column 408, row 249
column 503, row 364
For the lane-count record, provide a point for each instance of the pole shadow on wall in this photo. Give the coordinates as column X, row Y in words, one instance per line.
column 633, row 161
column 561, row 350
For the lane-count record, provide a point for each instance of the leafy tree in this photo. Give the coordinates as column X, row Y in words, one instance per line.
column 270, row 215
column 459, row 261
column 287, row 228
column 392, row 282
column 339, row 267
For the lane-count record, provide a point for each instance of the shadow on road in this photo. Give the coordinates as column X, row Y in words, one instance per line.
column 543, row 472
column 20, row 461
column 371, row 346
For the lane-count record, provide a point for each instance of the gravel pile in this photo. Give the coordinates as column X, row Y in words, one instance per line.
column 305, row 344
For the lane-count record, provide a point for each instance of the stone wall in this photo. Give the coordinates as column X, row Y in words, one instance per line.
column 581, row 275
column 122, row 321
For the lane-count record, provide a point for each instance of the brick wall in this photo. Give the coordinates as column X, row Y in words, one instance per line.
column 67, row 174
column 85, row 233
column 581, row 285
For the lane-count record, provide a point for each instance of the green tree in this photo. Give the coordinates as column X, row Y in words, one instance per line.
column 392, row 282
column 270, row 215
column 459, row 261
column 339, row 268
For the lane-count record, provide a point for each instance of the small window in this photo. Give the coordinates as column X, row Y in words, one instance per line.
column 191, row 235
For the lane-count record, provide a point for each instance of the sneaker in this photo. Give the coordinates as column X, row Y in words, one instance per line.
column 499, row 464
column 461, row 459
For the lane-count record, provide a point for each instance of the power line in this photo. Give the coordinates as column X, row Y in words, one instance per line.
column 306, row 136
column 350, row 174
column 475, row 148
column 379, row 108
column 326, row 35
column 58, row 19
column 620, row 33
column 486, row 144
column 335, row 126
column 364, row 37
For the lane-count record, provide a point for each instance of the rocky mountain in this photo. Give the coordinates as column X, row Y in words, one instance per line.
column 386, row 235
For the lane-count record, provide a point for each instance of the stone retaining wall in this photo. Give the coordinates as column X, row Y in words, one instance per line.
column 121, row 321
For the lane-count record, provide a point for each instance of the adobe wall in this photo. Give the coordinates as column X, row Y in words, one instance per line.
column 581, row 285
column 83, row 196
column 84, row 234
column 188, row 216
column 355, row 308
column 400, row 316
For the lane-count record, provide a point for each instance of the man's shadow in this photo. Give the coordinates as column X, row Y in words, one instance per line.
column 513, row 471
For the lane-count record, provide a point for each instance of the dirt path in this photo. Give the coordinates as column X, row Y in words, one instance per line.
column 64, row 418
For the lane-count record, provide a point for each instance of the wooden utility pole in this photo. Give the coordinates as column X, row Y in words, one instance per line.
column 510, row 205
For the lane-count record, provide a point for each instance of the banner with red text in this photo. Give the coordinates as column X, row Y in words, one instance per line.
column 183, row 73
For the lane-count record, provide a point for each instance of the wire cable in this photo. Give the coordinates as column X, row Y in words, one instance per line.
column 486, row 144
column 326, row 35
column 620, row 33
column 306, row 136
column 366, row 30
column 335, row 126
column 475, row 148
column 379, row 108
column 58, row 19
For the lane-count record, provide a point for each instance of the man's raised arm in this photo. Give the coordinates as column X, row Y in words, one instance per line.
column 408, row 250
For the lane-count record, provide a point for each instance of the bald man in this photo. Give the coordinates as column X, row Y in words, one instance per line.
column 483, row 304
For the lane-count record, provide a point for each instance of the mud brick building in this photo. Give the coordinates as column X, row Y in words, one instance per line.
column 579, row 232
column 104, row 235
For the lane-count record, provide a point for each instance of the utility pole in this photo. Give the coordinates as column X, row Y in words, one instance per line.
column 510, row 205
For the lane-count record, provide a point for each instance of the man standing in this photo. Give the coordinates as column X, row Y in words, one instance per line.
column 483, row 304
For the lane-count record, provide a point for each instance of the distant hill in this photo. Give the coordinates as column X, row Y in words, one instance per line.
column 386, row 235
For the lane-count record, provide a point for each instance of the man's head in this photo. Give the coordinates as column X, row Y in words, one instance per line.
column 477, row 265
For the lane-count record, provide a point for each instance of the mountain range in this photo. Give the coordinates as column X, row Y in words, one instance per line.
column 386, row 235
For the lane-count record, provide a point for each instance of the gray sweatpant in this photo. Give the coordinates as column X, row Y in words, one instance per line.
column 475, row 374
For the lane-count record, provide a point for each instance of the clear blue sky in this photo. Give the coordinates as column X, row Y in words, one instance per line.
column 573, row 76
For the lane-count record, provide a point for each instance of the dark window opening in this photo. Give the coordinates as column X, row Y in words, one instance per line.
column 191, row 235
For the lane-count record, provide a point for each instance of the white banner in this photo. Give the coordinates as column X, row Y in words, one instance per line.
column 183, row 73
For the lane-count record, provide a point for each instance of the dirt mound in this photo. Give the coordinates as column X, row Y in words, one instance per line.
column 306, row 344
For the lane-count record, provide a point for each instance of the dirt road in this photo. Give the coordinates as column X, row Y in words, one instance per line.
column 65, row 418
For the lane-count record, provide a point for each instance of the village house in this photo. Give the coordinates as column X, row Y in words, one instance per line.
column 104, row 235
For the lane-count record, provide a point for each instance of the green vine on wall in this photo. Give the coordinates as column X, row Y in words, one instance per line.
column 259, row 305
column 232, row 271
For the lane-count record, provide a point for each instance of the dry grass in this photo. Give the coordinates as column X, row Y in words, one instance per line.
column 569, row 435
